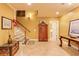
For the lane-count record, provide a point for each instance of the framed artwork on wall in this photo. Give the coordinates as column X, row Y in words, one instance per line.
column 6, row 23
column 74, row 28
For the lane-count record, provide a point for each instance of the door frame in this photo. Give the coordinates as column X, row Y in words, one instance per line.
column 57, row 34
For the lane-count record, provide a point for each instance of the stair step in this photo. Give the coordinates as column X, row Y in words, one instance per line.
column 19, row 35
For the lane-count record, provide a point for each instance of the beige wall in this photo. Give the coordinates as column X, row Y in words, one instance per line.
column 32, row 25
column 7, row 12
column 64, row 21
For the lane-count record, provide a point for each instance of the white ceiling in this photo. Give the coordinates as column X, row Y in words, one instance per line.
column 45, row 9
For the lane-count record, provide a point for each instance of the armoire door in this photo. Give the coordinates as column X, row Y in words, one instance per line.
column 43, row 31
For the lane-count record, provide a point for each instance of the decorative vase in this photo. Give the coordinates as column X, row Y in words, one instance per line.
column 9, row 40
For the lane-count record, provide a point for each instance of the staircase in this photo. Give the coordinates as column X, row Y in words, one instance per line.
column 19, row 34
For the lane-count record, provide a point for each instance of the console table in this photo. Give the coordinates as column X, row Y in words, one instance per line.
column 9, row 49
column 69, row 40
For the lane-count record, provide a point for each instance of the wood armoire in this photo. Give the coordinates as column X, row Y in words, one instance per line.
column 43, row 31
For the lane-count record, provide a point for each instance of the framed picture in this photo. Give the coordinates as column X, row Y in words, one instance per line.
column 74, row 28
column 6, row 23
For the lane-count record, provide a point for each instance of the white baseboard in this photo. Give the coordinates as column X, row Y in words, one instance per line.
column 33, row 39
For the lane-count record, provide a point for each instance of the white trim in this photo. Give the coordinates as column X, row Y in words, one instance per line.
column 33, row 39
column 38, row 40
column 12, row 9
column 11, row 6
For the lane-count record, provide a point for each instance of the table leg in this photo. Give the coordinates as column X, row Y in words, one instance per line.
column 60, row 41
column 10, row 51
column 78, row 45
column 69, row 43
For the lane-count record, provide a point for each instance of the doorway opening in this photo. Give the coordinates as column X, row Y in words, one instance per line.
column 54, row 30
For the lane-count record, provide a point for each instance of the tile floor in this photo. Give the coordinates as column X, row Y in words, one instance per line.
column 45, row 49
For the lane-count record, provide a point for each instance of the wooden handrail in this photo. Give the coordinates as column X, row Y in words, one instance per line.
column 23, row 26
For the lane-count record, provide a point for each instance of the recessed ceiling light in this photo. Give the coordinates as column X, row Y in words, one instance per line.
column 69, row 3
column 29, row 4
column 66, row 3
column 57, row 12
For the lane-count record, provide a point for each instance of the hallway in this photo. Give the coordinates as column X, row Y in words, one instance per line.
column 50, row 48
column 34, row 25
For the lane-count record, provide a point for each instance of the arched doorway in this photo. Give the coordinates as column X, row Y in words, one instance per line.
column 43, row 31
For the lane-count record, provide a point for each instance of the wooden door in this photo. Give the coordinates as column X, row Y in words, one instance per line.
column 43, row 31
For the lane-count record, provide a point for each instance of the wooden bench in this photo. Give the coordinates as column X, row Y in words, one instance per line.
column 69, row 41
column 9, row 49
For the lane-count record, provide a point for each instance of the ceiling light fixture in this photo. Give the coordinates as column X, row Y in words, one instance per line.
column 69, row 3
column 29, row 16
column 66, row 3
column 57, row 12
column 29, row 4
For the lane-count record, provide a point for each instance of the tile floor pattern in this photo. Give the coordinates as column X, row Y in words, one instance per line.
column 45, row 49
